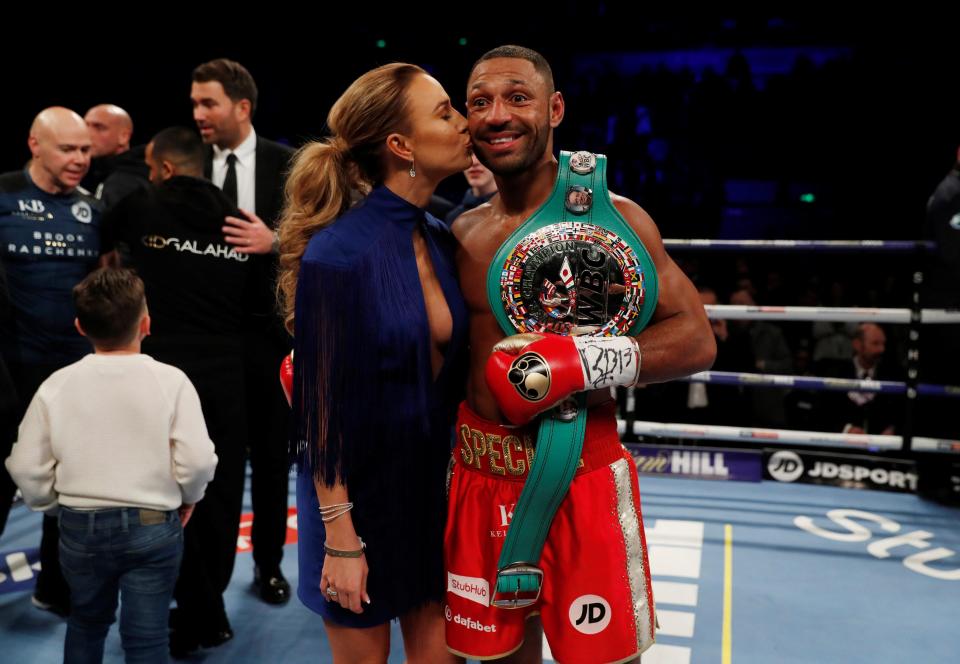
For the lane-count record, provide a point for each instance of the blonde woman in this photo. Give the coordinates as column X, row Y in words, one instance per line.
column 380, row 328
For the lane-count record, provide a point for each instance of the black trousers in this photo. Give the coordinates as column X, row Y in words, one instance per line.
column 210, row 538
column 940, row 364
column 268, row 421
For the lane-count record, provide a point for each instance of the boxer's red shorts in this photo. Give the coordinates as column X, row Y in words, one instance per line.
column 596, row 603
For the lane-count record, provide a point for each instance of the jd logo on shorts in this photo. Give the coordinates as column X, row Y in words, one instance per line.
column 589, row 614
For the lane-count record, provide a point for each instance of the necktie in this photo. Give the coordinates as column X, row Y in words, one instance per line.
column 230, row 181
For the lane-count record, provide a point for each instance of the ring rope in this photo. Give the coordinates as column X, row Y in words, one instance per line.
column 801, row 245
column 835, row 314
column 863, row 441
column 818, row 383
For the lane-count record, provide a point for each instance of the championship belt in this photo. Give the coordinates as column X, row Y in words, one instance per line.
column 574, row 267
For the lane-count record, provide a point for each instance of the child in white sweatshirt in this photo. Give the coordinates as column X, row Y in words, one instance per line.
column 117, row 442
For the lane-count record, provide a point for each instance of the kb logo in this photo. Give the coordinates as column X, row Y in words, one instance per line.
column 589, row 614
column 33, row 205
column 785, row 466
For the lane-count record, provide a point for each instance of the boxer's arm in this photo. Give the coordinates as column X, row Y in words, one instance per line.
column 678, row 340
column 530, row 373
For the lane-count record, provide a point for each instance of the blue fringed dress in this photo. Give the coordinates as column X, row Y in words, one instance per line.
column 366, row 407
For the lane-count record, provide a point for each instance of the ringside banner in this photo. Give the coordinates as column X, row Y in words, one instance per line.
column 844, row 470
column 698, row 462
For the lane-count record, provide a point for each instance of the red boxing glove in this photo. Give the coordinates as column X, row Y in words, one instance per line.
column 286, row 377
column 530, row 373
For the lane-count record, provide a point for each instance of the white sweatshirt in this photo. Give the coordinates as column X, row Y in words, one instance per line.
column 113, row 431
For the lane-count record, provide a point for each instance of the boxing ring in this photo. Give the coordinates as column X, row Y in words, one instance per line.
column 743, row 571
column 913, row 389
column 785, row 570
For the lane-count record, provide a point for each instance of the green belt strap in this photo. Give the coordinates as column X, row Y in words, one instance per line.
column 559, row 443
column 561, row 434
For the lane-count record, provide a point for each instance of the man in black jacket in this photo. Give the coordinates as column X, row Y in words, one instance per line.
column 116, row 169
column 196, row 287
column 939, row 362
column 251, row 170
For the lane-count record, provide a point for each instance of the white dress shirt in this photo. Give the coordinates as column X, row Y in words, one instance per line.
column 246, row 170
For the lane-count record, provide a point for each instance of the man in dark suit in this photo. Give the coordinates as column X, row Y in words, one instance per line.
column 862, row 412
column 251, row 170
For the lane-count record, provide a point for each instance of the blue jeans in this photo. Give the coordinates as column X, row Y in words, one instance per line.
column 124, row 550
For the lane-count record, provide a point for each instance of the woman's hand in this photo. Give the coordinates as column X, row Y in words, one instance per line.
column 347, row 578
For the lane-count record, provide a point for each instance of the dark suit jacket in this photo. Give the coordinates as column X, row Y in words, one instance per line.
column 837, row 409
column 273, row 163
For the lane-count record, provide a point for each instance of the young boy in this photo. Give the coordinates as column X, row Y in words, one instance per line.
column 118, row 443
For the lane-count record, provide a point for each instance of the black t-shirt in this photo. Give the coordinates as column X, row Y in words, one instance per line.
column 48, row 244
column 195, row 282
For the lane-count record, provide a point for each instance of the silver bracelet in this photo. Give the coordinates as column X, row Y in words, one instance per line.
column 333, row 517
column 334, row 512
column 334, row 507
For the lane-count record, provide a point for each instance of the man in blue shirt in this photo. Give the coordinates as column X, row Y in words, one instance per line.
column 49, row 241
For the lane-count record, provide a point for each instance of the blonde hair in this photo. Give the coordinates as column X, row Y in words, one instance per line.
column 327, row 174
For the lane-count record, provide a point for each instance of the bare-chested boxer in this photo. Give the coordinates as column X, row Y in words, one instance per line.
column 595, row 604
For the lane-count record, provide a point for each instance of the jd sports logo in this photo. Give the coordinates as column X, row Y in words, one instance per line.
column 785, row 466
column 590, row 614
column 82, row 212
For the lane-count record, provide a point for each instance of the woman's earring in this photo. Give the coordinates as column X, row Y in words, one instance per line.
column 413, row 169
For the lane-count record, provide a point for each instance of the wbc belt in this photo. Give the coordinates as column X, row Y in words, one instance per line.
column 574, row 267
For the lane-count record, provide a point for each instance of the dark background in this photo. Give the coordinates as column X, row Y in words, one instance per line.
column 720, row 126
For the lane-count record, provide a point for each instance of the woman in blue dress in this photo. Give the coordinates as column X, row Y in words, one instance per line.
column 380, row 329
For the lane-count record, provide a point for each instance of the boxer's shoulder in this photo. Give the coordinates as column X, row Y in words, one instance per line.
column 468, row 224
